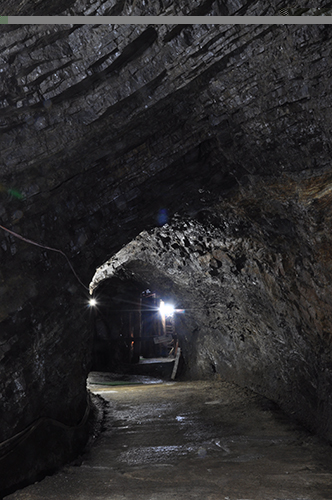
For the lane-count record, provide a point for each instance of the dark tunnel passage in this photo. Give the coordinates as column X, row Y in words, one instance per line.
column 187, row 165
column 134, row 330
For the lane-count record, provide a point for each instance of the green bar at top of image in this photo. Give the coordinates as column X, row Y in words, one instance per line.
column 3, row 19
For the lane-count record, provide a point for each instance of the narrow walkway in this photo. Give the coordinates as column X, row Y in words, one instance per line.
column 193, row 440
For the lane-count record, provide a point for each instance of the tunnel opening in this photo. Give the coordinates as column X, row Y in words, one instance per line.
column 134, row 332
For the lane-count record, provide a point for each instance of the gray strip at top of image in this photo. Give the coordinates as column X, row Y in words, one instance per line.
column 169, row 19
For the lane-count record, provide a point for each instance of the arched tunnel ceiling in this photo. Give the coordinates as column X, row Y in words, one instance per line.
column 111, row 83
column 225, row 132
column 228, row 104
column 251, row 312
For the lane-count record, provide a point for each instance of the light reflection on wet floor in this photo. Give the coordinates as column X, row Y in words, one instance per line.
column 193, row 440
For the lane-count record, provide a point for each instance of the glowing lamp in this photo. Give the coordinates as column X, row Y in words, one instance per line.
column 166, row 309
column 92, row 302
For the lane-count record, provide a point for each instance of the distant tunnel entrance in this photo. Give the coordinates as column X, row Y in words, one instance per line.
column 133, row 330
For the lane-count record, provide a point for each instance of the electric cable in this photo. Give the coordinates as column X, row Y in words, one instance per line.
column 16, row 235
column 8, row 446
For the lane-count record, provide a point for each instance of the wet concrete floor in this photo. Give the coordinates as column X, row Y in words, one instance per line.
column 192, row 440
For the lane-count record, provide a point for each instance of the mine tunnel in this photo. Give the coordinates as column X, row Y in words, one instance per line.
column 134, row 331
column 147, row 164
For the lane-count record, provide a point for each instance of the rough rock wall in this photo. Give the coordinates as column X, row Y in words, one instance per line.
column 256, row 293
column 103, row 126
